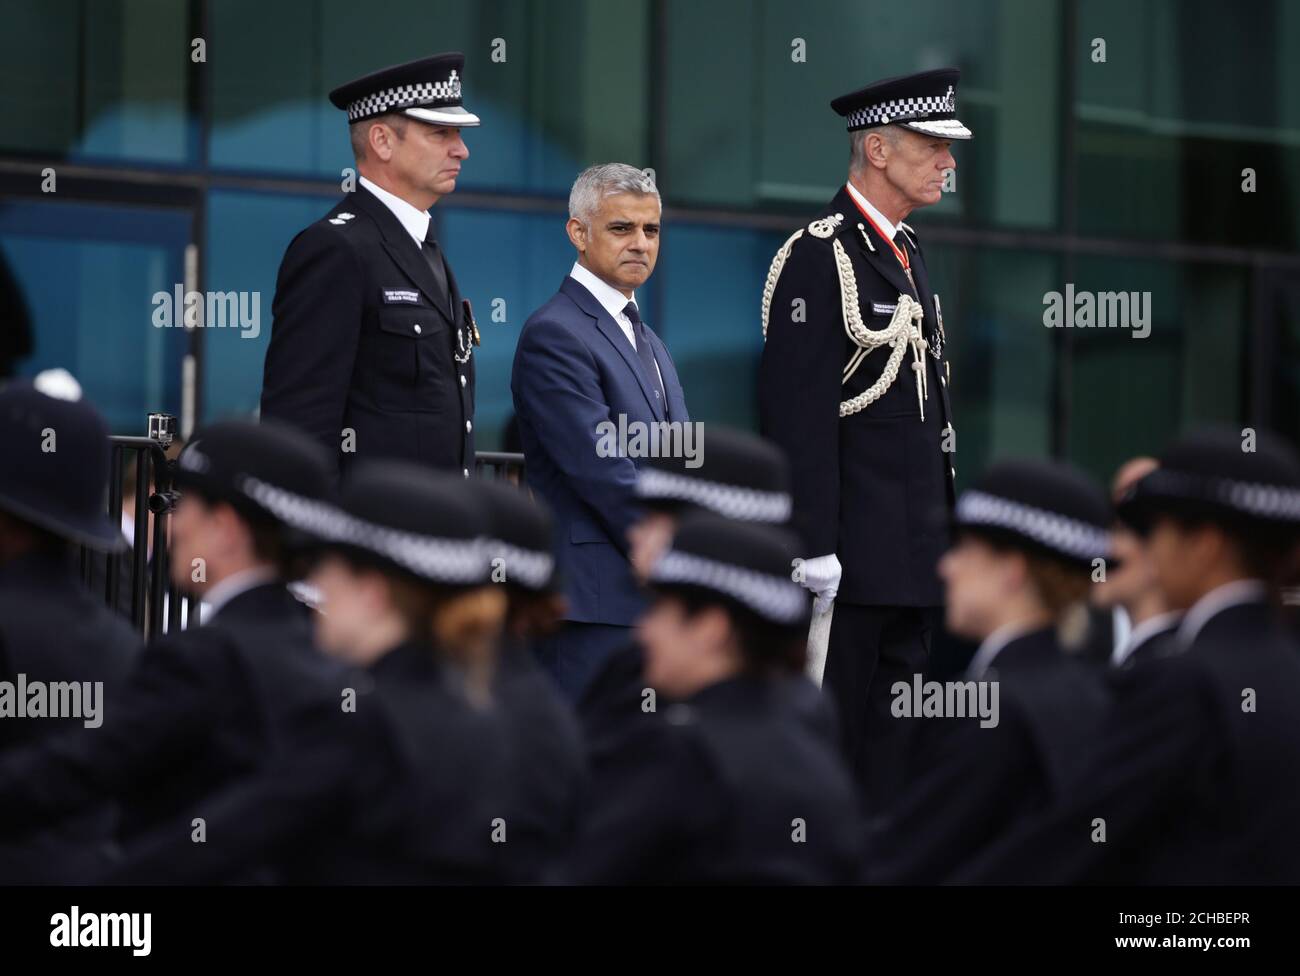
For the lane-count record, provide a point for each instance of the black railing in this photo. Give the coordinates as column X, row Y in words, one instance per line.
column 143, row 573
column 146, row 593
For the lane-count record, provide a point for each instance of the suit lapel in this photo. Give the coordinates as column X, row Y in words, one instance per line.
column 586, row 301
column 406, row 254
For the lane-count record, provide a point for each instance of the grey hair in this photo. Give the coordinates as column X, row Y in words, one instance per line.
column 603, row 180
column 858, row 144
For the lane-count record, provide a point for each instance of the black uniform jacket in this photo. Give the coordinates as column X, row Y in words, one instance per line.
column 203, row 707
column 547, row 778
column 1194, row 780
column 874, row 487
column 969, row 784
column 407, row 788
column 739, row 788
column 365, row 340
column 52, row 629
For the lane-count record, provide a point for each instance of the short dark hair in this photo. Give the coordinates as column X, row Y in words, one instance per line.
column 359, row 132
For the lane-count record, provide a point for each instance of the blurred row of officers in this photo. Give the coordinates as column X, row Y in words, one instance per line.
column 403, row 732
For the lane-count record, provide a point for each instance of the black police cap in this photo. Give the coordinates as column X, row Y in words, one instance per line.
column 747, row 563
column 926, row 102
column 1049, row 507
column 62, row 490
column 519, row 533
column 401, row 516
column 428, row 89
column 1211, row 475
column 739, row 475
column 254, row 467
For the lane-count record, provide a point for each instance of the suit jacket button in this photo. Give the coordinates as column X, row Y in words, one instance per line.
column 417, row 328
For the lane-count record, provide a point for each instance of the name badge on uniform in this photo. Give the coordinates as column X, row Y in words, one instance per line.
column 400, row 296
column 880, row 308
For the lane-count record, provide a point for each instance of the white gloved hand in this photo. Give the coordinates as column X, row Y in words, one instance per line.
column 821, row 575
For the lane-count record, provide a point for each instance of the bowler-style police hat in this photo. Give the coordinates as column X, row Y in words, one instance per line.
column 1045, row 507
column 56, row 468
column 399, row 516
column 744, row 563
column 739, row 475
column 1248, row 484
column 252, row 465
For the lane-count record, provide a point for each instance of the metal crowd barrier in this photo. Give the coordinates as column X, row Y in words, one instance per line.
column 153, row 596
column 148, row 584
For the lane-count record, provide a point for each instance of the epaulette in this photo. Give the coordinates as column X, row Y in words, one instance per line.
column 826, row 227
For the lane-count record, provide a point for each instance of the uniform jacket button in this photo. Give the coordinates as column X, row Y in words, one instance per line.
column 417, row 328
column 462, row 380
column 469, row 426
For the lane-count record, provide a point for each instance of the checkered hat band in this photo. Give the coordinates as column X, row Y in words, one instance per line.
column 406, row 96
column 903, row 110
column 527, row 566
column 1273, row 502
column 776, row 598
column 442, row 560
column 1068, row 536
column 732, row 501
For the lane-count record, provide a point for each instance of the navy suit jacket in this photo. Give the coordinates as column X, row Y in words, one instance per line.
column 574, row 369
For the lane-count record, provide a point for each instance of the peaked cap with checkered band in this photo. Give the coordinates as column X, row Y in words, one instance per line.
column 926, row 102
column 427, row 89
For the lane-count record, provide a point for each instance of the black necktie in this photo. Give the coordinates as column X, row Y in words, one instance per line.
column 433, row 255
column 645, row 353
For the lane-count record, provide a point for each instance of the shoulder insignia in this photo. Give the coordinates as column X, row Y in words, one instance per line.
column 826, row 226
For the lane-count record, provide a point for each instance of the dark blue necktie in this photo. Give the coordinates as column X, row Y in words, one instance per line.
column 645, row 353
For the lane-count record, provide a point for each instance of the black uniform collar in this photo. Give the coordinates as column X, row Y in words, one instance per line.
column 268, row 599
column 411, row 659
column 879, row 254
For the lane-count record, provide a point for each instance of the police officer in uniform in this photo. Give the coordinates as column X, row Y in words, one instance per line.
column 853, row 385
column 740, row 476
column 207, row 705
column 1017, row 578
column 51, row 628
column 399, row 776
column 1193, row 780
column 741, row 790
column 547, row 778
column 371, row 350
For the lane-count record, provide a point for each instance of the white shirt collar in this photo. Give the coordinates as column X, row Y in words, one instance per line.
column 993, row 645
column 881, row 220
column 415, row 220
column 236, row 583
column 1140, row 633
column 1215, row 602
column 611, row 299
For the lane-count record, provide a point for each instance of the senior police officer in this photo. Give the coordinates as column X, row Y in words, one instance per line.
column 853, row 385
column 371, row 350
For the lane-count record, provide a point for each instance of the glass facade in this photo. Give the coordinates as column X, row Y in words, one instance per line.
column 1143, row 147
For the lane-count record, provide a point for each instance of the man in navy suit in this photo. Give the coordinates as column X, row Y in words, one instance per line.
column 585, row 364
